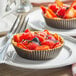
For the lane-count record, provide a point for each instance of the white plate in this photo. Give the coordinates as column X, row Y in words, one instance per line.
column 66, row 57
column 37, row 22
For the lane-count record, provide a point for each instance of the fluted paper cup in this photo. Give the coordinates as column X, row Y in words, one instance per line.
column 61, row 23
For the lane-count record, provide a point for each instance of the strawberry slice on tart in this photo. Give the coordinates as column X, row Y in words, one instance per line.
column 53, row 7
column 50, row 14
column 70, row 13
column 49, row 43
column 73, row 4
column 61, row 12
column 43, row 9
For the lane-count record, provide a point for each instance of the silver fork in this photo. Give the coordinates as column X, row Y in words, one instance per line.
column 16, row 30
column 10, row 32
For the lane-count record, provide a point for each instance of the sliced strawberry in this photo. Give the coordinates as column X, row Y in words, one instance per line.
column 25, row 43
column 27, row 30
column 27, row 36
column 51, row 12
column 73, row 4
column 57, row 45
column 32, row 45
column 42, row 47
column 61, row 12
column 49, row 43
column 59, row 3
column 48, row 15
column 53, row 7
column 16, row 38
column 74, row 7
column 43, row 9
column 57, row 37
column 70, row 13
column 20, row 45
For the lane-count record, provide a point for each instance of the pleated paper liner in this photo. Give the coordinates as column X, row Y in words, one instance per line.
column 38, row 54
column 61, row 23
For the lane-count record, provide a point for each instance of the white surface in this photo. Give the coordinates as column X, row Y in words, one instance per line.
column 38, row 23
column 63, row 59
column 2, row 6
column 6, row 23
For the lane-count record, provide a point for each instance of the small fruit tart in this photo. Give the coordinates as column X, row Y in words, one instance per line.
column 38, row 45
column 60, row 15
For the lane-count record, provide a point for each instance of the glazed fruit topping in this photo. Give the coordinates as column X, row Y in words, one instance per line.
column 41, row 40
column 43, row 9
column 53, row 7
column 49, row 43
column 74, row 7
column 59, row 10
column 32, row 45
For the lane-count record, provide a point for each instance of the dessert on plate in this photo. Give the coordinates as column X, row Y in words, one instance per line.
column 60, row 15
column 37, row 45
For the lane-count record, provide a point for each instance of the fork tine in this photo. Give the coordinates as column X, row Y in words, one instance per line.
column 25, row 25
column 13, row 24
column 18, row 25
column 21, row 24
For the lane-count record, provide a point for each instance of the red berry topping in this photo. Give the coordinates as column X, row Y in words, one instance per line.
column 32, row 45
column 53, row 7
column 57, row 45
column 49, row 43
column 61, row 12
column 16, row 38
column 27, row 30
column 27, row 36
column 25, row 43
column 43, row 9
column 74, row 7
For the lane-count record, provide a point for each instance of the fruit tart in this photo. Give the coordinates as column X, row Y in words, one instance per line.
column 37, row 45
column 60, row 15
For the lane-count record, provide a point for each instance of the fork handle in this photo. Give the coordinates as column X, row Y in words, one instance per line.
column 4, row 49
